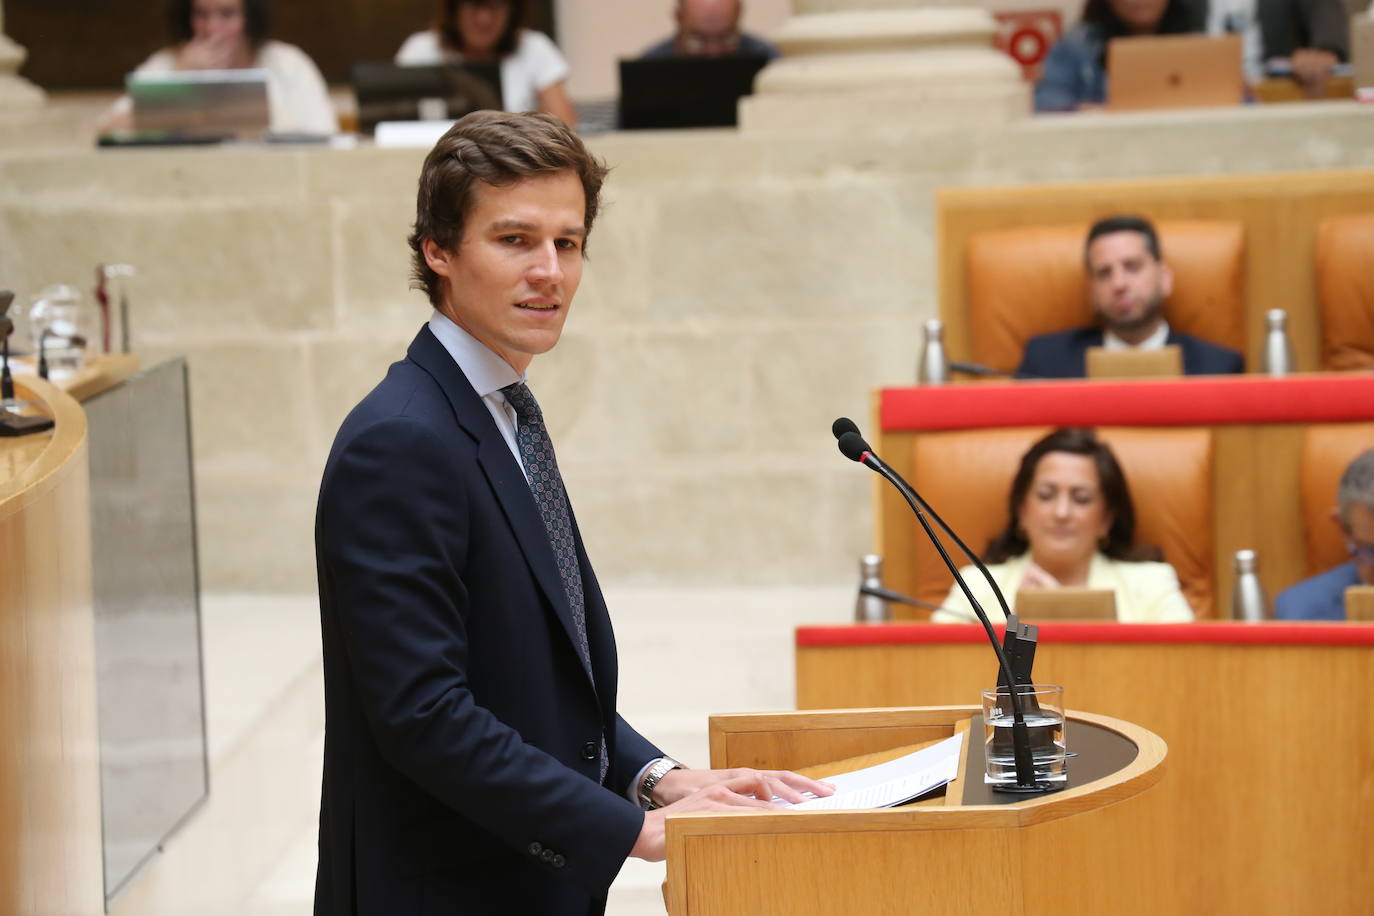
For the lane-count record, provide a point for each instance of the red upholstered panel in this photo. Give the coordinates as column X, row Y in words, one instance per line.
column 1194, row 401
column 1218, row 633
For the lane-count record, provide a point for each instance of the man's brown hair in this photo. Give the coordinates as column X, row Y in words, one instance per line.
column 500, row 149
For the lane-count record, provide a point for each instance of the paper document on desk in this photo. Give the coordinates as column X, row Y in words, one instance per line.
column 890, row 783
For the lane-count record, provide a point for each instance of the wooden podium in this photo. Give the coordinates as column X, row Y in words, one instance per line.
column 1090, row 847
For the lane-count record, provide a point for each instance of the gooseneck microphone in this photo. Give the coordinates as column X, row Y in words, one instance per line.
column 853, row 447
column 844, row 425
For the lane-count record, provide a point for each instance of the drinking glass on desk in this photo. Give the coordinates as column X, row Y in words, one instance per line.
column 1043, row 708
column 63, row 327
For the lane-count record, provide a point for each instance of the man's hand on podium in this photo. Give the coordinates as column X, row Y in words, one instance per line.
column 740, row 789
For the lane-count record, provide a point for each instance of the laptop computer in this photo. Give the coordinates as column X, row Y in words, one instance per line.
column 388, row 92
column 1174, row 71
column 685, row 91
column 200, row 105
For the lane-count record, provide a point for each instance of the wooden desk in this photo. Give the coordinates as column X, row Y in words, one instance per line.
column 1269, row 807
column 50, row 854
column 1090, row 848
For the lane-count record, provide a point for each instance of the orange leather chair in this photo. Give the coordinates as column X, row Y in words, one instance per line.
column 1327, row 449
column 966, row 477
column 1030, row 280
column 1345, row 285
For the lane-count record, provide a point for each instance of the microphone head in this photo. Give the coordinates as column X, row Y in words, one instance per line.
column 853, row 446
column 844, row 425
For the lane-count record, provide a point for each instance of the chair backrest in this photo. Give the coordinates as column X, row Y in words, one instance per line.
column 1327, row 450
column 966, row 476
column 1345, row 285
column 1030, row 280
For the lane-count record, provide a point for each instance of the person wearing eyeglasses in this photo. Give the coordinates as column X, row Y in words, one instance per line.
column 1322, row 597
column 534, row 72
column 710, row 28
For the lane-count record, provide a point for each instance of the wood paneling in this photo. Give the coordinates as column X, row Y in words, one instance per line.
column 1269, row 806
column 50, row 857
column 77, row 44
column 1280, row 212
column 1081, row 850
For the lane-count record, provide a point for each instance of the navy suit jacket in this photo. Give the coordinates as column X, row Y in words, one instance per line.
column 1321, row 597
column 1064, row 355
column 461, row 728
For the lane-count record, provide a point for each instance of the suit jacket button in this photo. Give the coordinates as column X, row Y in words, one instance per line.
column 547, row 855
column 589, row 751
column 558, row 862
column 535, row 849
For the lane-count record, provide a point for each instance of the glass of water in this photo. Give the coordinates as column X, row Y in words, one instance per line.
column 1043, row 708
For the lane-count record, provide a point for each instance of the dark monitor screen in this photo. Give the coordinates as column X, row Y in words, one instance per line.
column 388, row 92
column 685, row 91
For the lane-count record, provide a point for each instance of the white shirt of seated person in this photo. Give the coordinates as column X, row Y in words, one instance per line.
column 1155, row 341
column 534, row 65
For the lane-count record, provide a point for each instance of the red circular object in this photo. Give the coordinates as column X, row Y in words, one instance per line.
column 1027, row 46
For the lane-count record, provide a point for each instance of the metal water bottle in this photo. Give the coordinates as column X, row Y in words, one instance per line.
column 1247, row 598
column 871, row 608
column 934, row 368
column 1278, row 350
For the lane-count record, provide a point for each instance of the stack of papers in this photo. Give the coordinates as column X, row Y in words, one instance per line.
column 890, row 783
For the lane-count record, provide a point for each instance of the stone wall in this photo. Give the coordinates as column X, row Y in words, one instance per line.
column 741, row 292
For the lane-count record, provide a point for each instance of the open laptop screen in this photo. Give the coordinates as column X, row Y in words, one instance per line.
column 221, row 104
column 685, row 91
column 388, row 92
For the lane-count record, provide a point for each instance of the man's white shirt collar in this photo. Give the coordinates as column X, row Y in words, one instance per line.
column 487, row 372
column 1155, row 341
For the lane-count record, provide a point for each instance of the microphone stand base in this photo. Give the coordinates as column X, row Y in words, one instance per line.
column 1014, row 788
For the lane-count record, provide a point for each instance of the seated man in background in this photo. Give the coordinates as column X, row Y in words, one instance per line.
column 1128, row 282
column 1322, row 597
column 1309, row 36
column 1071, row 523
column 710, row 28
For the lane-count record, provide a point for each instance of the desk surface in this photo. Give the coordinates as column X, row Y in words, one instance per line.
column 19, row 454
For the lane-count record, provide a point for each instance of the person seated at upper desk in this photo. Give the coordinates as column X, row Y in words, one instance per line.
column 1128, row 282
column 534, row 72
column 1322, row 597
column 1074, row 74
column 1072, row 523
column 1306, row 38
column 709, row 28
column 232, row 35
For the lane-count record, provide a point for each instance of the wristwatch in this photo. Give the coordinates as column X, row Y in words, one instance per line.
column 652, row 777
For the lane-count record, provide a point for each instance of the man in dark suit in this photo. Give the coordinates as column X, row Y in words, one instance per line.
column 1322, row 597
column 1128, row 282
column 474, row 762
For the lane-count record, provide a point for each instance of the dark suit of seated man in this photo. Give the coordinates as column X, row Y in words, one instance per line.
column 474, row 762
column 1322, row 597
column 1128, row 283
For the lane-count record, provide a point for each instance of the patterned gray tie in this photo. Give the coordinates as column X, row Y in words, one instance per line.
column 546, row 484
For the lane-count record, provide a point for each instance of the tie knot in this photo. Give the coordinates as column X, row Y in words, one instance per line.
column 521, row 399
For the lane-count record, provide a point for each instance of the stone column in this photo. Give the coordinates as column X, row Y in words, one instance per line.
column 16, row 93
column 857, row 64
